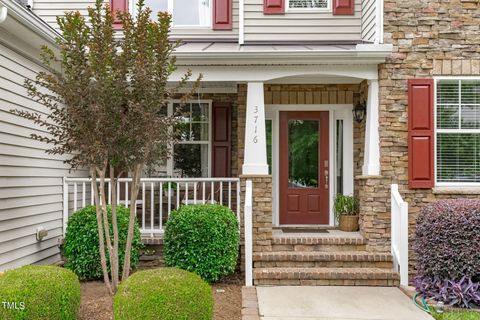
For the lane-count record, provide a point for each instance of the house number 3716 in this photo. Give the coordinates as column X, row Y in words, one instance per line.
column 255, row 126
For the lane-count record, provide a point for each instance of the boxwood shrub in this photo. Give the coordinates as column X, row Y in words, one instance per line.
column 203, row 239
column 81, row 247
column 39, row 292
column 163, row 294
column 447, row 242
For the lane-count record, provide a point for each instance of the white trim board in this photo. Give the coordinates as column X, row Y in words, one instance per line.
column 264, row 73
column 336, row 112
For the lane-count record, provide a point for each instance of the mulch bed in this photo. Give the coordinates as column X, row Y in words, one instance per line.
column 96, row 304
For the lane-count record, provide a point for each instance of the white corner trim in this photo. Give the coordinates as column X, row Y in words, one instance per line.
column 371, row 160
column 241, row 22
column 3, row 14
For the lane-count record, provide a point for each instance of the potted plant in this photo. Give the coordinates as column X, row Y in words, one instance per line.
column 346, row 212
column 173, row 187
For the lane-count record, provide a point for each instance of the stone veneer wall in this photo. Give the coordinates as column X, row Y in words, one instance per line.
column 429, row 37
column 261, row 214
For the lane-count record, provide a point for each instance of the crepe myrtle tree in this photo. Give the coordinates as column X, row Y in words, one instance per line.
column 107, row 96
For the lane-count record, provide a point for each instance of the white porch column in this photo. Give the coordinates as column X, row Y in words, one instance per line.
column 371, row 161
column 255, row 157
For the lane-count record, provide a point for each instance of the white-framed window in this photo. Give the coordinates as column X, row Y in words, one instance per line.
column 308, row 5
column 457, row 131
column 191, row 156
column 185, row 13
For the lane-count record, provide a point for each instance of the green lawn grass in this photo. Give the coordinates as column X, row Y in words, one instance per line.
column 457, row 315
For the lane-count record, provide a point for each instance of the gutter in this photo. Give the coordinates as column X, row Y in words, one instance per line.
column 26, row 18
column 3, row 14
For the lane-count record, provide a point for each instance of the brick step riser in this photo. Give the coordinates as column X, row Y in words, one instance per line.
column 324, row 264
column 318, row 247
column 327, row 282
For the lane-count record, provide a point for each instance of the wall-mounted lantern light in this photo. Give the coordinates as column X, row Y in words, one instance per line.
column 360, row 111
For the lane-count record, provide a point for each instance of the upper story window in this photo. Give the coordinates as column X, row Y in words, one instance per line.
column 294, row 5
column 187, row 13
column 458, row 131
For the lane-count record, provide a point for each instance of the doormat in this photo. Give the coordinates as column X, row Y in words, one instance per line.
column 295, row 230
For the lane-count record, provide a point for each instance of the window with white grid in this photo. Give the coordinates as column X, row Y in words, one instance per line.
column 308, row 4
column 458, row 131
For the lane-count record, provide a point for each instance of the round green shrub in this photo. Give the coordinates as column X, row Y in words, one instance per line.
column 203, row 239
column 163, row 294
column 81, row 247
column 39, row 292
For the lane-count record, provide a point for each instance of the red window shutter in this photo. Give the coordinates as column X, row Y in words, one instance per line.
column 222, row 15
column 221, row 140
column 420, row 134
column 117, row 5
column 273, row 6
column 343, row 7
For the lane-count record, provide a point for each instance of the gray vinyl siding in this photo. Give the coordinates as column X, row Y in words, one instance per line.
column 369, row 20
column 300, row 26
column 30, row 180
column 48, row 10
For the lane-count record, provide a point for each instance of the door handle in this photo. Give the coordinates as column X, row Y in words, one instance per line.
column 326, row 178
column 325, row 163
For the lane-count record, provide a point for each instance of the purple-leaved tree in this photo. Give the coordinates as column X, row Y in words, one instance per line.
column 107, row 94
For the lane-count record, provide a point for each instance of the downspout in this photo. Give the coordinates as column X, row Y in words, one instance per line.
column 3, row 14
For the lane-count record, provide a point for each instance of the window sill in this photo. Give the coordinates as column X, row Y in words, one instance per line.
column 457, row 190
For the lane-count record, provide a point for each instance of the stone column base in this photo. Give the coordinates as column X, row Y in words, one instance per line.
column 374, row 196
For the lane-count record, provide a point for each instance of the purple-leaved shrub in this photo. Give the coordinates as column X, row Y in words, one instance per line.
column 447, row 245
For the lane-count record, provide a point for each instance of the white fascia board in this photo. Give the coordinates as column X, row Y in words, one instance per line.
column 236, row 73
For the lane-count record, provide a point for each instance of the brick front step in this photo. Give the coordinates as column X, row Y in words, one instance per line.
column 317, row 243
column 315, row 240
column 325, row 276
column 346, row 259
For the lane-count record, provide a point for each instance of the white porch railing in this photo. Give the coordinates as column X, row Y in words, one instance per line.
column 248, row 234
column 157, row 197
column 399, row 211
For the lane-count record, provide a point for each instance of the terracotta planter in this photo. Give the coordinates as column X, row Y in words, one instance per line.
column 348, row 223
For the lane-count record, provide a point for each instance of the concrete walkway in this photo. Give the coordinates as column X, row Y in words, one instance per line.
column 336, row 303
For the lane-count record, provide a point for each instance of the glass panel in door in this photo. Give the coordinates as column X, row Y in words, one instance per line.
column 303, row 153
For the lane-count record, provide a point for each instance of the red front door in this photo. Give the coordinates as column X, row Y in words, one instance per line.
column 304, row 167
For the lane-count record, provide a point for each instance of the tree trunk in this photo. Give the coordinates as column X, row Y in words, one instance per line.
column 136, row 174
column 114, row 263
column 103, row 259
column 106, row 224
